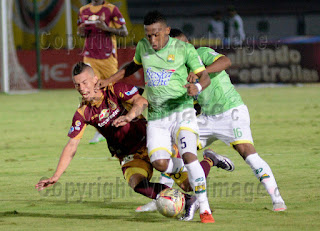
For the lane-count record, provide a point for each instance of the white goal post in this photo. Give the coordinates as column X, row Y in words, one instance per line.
column 14, row 79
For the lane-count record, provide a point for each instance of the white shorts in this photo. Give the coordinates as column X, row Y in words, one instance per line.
column 232, row 127
column 163, row 133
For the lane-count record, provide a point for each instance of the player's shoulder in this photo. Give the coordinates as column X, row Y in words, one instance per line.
column 85, row 7
column 81, row 110
column 109, row 6
column 207, row 50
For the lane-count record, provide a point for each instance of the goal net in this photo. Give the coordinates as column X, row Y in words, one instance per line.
column 14, row 79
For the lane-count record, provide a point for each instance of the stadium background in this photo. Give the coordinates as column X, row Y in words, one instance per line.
column 282, row 46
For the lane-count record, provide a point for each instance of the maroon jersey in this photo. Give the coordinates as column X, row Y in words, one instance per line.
column 99, row 44
column 123, row 140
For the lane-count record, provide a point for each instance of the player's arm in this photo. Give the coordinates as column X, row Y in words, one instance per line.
column 67, row 154
column 195, row 88
column 221, row 64
column 139, row 103
column 124, row 72
column 122, row 31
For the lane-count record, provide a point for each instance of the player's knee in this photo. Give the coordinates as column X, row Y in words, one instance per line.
column 189, row 157
column 135, row 180
column 245, row 149
column 161, row 165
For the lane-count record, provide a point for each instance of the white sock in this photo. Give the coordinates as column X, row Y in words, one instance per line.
column 198, row 182
column 263, row 172
column 166, row 180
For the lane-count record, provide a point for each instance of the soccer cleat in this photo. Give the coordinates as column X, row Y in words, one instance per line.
column 206, row 217
column 150, row 207
column 97, row 138
column 278, row 207
column 219, row 160
column 192, row 205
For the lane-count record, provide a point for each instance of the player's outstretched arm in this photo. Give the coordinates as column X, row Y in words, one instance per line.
column 124, row 72
column 139, row 103
column 220, row 64
column 67, row 154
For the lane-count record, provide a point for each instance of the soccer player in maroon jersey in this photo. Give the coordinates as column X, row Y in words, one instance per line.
column 99, row 22
column 126, row 137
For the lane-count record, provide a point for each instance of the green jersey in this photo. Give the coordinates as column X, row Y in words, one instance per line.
column 220, row 95
column 165, row 74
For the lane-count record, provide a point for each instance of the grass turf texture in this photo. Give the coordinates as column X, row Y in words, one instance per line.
column 92, row 194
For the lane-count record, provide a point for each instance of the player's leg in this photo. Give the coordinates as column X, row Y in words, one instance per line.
column 137, row 171
column 263, row 172
column 233, row 127
column 186, row 138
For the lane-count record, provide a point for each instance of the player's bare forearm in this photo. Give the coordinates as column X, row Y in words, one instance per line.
column 122, row 32
column 124, row 72
column 204, row 79
column 220, row 64
column 66, row 156
column 139, row 104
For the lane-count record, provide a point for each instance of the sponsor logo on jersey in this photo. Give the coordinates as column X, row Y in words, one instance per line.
column 131, row 92
column 77, row 128
column 160, row 78
column 71, row 130
column 112, row 104
column 122, row 20
column 78, row 123
column 113, row 115
column 199, row 179
column 93, row 17
column 214, row 53
column 170, row 58
column 104, row 114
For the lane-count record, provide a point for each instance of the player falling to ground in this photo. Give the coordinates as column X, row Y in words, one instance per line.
column 99, row 23
column 171, row 117
column 225, row 117
column 104, row 110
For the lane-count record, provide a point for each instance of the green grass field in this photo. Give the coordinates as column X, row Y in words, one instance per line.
column 92, row 194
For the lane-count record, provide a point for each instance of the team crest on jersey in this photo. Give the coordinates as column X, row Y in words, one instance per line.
column 78, row 123
column 131, row 92
column 112, row 105
column 104, row 114
column 170, row 58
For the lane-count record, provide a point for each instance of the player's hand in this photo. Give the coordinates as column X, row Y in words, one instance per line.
column 82, row 29
column 46, row 183
column 121, row 121
column 192, row 77
column 101, row 25
column 102, row 83
column 191, row 89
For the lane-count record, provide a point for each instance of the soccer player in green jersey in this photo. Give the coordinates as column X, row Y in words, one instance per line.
column 171, row 117
column 225, row 117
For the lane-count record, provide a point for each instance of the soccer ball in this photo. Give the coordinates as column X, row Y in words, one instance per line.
column 170, row 202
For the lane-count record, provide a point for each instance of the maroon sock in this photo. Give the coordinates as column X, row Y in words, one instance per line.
column 206, row 165
column 149, row 189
